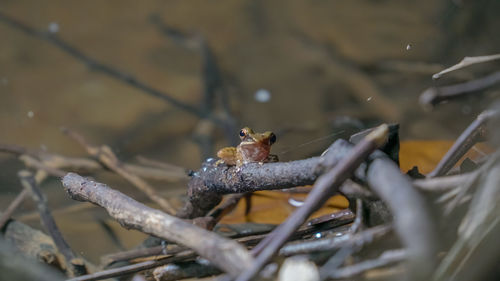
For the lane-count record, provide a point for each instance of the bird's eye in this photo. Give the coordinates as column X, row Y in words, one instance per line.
column 272, row 138
column 242, row 133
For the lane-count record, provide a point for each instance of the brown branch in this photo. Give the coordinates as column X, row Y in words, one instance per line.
column 324, row 187
column 225, row 254
column 56, row 161
column 95, row 65
column 183, row 270
column 106, row 156
column 75, row 266
column 206, row 187
column 475, row 132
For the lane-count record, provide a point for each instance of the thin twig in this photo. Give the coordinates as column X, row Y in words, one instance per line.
column 32, row 162
column 333, row 243
column 387, row 258
column 358, row 222
column 184, row 270
column 161, row 165
column 4, row 218
column 475, row 132
column 96, row 65
column 56, row 161
column 227, row 206
column 129, row 269
column 435, row 95
column 466, row 61
column 442, row 184
column 106, row 156
column 324, row 187
column 224, row 253
column 161, row 250
column 74, row 264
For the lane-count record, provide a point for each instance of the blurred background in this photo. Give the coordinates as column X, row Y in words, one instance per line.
column 311, row 71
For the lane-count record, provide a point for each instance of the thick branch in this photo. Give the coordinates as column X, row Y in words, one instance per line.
column 224, row 253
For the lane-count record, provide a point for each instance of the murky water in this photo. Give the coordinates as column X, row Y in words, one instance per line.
column 304, row 69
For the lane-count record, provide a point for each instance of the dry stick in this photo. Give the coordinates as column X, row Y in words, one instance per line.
column 224, row 253
column 4, row 218
column 109, row 159
column 466, row 61
column 442, row 184
column 32, row 162
column 435, row 95
column 129, row 269
column 56, row 161
column 324, row 187
column 96, row 65
column 90, row 165
column 474, row 133
column 75, row 265
column 388, row 257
